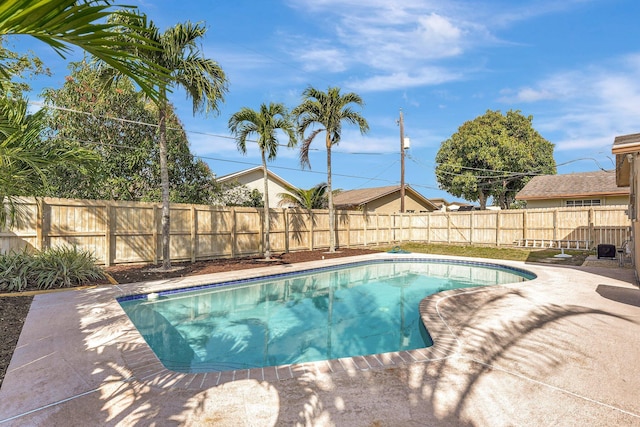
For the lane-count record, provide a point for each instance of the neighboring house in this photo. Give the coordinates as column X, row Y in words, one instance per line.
column 383, row 200
column 597, row 188
column 627, row 150
column 445, row 206
column 440, row 204
column 254, row 179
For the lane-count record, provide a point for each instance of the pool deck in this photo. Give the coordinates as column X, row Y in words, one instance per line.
column 560, row 350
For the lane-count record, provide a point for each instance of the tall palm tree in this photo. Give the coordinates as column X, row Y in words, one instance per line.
column 203, row 79
column 327, row 110
column 313, row 198
column 264, row 124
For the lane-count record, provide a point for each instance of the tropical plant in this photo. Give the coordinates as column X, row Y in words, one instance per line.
column 61, row 24
column 26, row 159
column 65, row 23
column 265, row 124
column 313, row 198
column 203, row 79
column 56, row 267
column 327, row 110
column 494, row 155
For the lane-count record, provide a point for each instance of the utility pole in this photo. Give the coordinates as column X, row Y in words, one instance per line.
column 401, row 123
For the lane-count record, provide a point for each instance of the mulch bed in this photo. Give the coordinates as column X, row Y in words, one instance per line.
column 14, row 309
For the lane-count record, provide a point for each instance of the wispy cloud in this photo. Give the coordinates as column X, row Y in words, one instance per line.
column 592, row 104
column 387, row 38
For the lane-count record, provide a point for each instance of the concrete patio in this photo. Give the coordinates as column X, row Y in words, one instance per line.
column 559, row 350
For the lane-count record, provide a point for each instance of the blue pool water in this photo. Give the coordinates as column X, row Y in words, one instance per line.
column 329, row 313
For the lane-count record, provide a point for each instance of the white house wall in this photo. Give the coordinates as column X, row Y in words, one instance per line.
column 255, row 180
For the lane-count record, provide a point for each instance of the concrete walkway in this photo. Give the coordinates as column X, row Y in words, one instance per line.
column 560, row 350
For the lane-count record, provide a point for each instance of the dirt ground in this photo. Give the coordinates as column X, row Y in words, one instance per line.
column 14, row 309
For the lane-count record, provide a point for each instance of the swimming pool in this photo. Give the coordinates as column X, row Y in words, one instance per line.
column 351, row 310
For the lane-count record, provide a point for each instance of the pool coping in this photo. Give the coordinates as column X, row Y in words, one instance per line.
column 144, row 366
column 68, row 367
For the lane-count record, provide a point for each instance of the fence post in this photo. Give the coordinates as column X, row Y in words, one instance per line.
column 40, row 236
column 448, row 228
column 155, row 234
column 311, row 230
column 194, row 233
column 471, row 228
column 498, row 226
column 428, row 228
column 285, row 211
column 591, row 229
column 555, row 224
column 348, row 229
column 108, row 234
column 234, row 232
column 524, row 224
column 364, row 215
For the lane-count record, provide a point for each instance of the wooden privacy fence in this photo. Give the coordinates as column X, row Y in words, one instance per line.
column 124, row 232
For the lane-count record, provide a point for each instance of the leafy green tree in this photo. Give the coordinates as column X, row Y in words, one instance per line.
column 494, row 155
column 313, row 198
column 327, row 110
column 19, row 69
column 117, row 123
column 26, row 159
column 264, row 124
column 203, row 79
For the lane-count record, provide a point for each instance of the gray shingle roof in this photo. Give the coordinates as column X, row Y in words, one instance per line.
column 583, row 184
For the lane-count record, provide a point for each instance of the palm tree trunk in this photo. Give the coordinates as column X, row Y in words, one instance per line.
column 267, row 224
column 332, row 237
column 164, row 183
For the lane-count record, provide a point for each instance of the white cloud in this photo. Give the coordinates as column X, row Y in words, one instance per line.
column 403, row 79
column 591, row 105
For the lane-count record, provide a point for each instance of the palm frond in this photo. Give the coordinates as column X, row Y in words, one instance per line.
column 63, row 24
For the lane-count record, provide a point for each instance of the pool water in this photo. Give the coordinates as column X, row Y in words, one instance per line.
column 354, row 310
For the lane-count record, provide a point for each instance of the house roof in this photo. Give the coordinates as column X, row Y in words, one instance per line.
column 271, row 175
column 624, row 145
column 583, row 184
column 366, row 195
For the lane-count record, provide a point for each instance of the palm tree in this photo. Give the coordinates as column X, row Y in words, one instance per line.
column 327, row 110
column 65, row 23
column 313, row 198
column 60, row 24
column 203, row 79
column 264, row 124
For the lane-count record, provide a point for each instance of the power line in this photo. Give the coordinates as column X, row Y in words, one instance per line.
column 155, row 125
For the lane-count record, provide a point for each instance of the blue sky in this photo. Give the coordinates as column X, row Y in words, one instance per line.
column 574, row 65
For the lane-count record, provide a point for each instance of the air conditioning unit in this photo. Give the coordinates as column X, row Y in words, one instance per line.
column 606, row 251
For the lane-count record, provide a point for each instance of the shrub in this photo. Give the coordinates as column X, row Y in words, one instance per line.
column 57, row 267
column 14, row 270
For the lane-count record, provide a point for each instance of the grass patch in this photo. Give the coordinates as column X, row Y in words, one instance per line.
column 545, row 256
